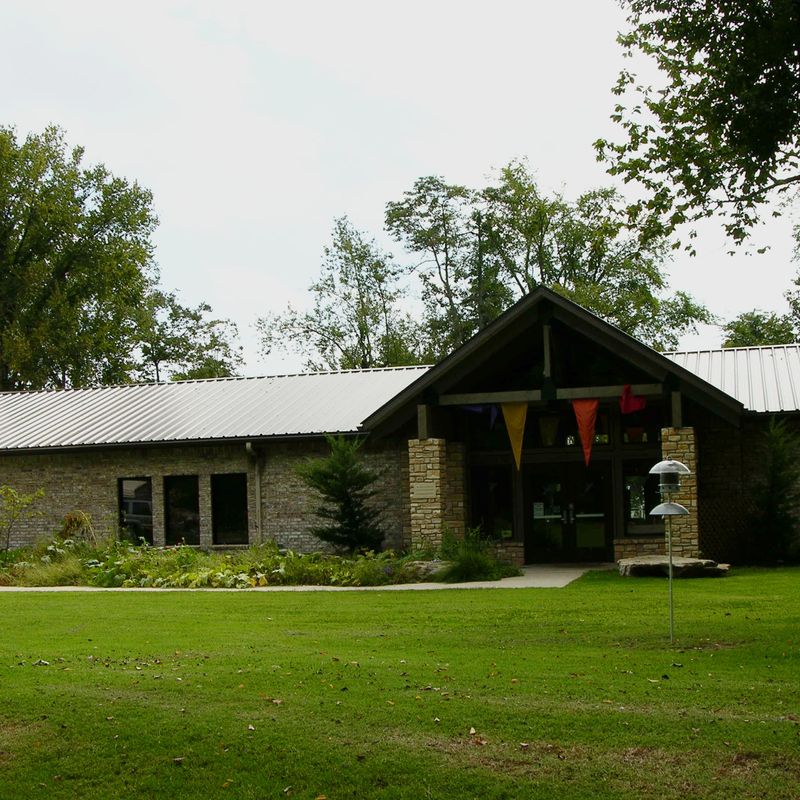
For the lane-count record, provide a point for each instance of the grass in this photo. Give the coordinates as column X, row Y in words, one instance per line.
column 571, row 693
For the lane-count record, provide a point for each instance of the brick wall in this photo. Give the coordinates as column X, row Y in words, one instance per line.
column 642, row 546
column 87, row 481
column 455, row 489
column 509, row 552
column 723, row 502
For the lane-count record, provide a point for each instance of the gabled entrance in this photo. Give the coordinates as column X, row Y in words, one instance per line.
column 532, row 364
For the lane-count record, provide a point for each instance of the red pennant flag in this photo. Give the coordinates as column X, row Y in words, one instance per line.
column 586, row 416
column 629, row 402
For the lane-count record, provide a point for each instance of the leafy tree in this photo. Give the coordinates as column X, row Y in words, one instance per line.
column 461, row 286
column 78, row 286
column 15, row 507
column 75, row 262
column 487, row 248
column 756, row 328
column 345, row 485
column 184, row 341
column 721, row 136
column 356, row 322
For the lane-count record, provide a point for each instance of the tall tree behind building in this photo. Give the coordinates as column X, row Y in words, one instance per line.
column 76, row 267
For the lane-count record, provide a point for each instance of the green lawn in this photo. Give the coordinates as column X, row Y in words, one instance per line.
column 570, row 692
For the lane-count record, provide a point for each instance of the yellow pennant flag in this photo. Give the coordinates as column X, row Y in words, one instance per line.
column 514, row 414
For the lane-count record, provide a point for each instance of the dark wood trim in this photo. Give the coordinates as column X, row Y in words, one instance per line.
column 535, row 395
column 577, row 392
column 546, row 340
column 480, row 398
column 677, row 410
column 423, row 421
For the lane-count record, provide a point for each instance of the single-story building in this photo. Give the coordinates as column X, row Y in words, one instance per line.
column 541, row 430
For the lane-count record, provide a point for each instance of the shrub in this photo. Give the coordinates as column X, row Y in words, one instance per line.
column 13, row 508
column 66, row 571
column 470, row 559
column 344, row 484
column 78, row 525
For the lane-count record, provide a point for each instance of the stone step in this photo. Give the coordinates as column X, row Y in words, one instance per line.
column 681, row 567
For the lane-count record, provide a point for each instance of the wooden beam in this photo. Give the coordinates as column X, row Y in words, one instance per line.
column 535, row 395
column 546, row 339
column 576, row 392
column 423, row 422
column 677, row 410
column 481, row 398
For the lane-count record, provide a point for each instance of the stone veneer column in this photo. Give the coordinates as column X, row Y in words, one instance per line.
column 427, row 475
column 679, row 444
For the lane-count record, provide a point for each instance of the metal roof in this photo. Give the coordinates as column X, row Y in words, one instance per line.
column 229, row 408
column 763, row 379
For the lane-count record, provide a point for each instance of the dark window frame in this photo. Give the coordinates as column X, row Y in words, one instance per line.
column 123, row 523
column 242, row 535
column 173, row 538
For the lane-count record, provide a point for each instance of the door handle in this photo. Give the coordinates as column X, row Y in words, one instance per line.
column 571, row 511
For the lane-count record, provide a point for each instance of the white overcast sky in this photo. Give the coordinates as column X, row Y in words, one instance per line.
column 255, row 124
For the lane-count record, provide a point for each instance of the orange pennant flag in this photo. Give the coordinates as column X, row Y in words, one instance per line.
column 586, row 416
column 514, row 414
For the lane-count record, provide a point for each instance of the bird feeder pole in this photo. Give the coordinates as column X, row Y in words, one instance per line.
column 669, row 473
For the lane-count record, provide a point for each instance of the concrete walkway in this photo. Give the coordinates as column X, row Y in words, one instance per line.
column 536, row 576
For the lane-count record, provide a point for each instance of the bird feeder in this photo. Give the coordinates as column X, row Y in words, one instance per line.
column 669, row 475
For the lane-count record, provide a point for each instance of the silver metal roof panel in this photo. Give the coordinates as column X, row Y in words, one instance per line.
column 763, row 379
column 231, row 408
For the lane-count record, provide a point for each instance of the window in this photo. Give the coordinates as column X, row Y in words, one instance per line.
column 641, row 497
column 181, row 510
column 229, row 508
column 136, row 508
column 492, row 501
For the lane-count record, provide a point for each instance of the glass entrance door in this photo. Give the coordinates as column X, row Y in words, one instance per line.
column 567, row 512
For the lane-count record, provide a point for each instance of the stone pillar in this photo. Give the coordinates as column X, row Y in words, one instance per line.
column 679, row 444
column 427, row 470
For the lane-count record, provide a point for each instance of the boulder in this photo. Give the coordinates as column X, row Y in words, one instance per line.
column 681, row 567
